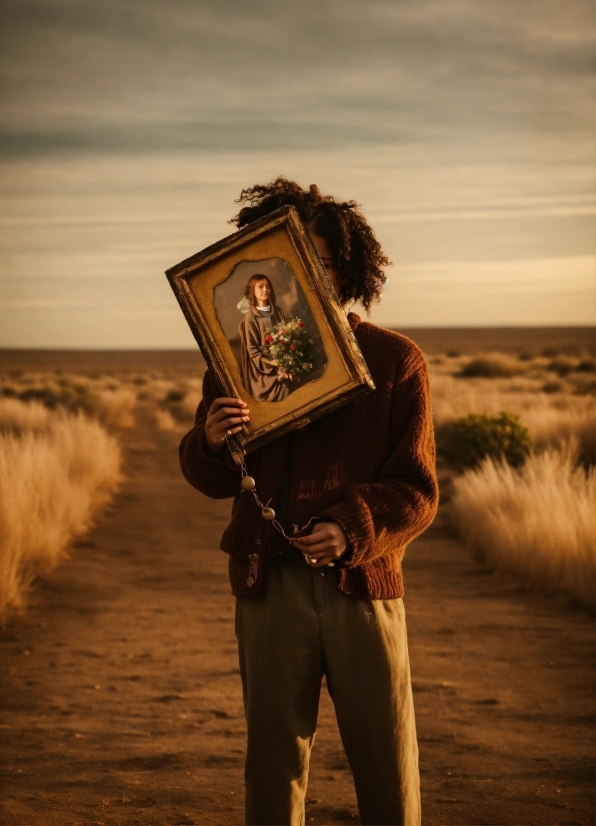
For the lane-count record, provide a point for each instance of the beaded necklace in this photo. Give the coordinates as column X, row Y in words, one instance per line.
column 248, row 485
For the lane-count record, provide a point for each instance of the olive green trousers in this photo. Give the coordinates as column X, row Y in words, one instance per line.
column 304, row 627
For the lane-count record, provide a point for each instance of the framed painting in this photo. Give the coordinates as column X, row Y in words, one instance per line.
column 270, row 327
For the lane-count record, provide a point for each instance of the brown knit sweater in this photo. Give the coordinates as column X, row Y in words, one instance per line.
column 368, row 466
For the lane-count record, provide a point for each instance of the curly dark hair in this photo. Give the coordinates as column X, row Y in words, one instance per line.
column 357, row 255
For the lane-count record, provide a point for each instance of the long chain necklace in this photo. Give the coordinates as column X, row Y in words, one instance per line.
column 248, row 485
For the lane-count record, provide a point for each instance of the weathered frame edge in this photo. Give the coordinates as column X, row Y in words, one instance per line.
column 360, row 379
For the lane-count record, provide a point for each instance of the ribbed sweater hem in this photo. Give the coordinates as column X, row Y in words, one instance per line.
column 372, row 580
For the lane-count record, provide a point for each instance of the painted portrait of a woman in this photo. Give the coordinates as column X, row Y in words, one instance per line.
column 263, row 378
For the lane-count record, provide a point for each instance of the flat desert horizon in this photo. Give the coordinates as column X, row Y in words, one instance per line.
column 530, row 341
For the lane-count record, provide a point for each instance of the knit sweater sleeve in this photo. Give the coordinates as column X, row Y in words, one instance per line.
column 210, row 474
column 386, row 514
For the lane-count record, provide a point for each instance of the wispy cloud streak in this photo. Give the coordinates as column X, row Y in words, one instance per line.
column 464, row 128
column 151, row 75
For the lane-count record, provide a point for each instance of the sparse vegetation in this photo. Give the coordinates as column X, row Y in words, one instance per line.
column 537, row 522
column 466, row 441
column 57, row 469
column 562, row 366
column 553, row 387
column 111, row 403
column 165, row 420
column 58, row 465
column 115, row 408
column 176, row 395
column 552, row 417
column 497, row 367
column 191, row 402
column 586, row 366
column 548, row 399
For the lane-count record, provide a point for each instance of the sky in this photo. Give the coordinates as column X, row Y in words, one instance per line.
column 464, row 128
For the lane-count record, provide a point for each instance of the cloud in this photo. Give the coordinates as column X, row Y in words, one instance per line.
column 152, row 75
column 465, row 128
column 528, row 292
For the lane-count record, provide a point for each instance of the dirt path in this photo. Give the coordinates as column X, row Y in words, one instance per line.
column 121, row 697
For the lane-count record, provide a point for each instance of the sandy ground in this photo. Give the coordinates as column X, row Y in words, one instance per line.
column 121, row 698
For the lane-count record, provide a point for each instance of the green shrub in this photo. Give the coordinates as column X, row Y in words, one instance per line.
column 486, row 368
column 466, row 441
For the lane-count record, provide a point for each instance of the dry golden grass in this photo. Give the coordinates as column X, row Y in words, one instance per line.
column 115, row 408
column 165, row 420
column 17, row 417
column 553, row 419
column 191, row 402
column 112, row 399
column 184, row 394
column 58, row 465
column 550, row 394
column 538, row 522
column 555, row 427
column 57, row 469
column 107, row 400
column 175, row 402
column 158, row 390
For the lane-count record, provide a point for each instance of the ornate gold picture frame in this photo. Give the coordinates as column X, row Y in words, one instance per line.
column 291, row 363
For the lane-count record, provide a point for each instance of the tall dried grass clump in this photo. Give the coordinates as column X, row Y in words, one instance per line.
column 554, row 427
column 191, row 402
column 165, row 420
column 491, row 367
column 537, row 522
column 57, row 469
column 18, row 417
column 115, row 408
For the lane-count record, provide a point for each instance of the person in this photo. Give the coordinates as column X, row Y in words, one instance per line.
column 262, row 377
column 330, row 603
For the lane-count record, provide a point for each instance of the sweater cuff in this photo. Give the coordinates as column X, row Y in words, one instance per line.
column 358, row 533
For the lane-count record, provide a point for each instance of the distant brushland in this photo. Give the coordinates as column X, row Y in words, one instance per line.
column 514, row 414
column 57, row 470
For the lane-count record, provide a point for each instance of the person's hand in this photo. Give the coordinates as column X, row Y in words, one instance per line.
column 325, row 544
column 224, row 414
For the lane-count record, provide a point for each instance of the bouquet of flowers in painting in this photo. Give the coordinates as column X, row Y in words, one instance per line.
column 288, row 345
